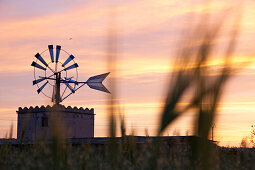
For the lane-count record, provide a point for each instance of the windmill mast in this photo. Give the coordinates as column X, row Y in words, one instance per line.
column 57, row 98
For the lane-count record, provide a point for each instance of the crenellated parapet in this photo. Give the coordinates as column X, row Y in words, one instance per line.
column 55, row 108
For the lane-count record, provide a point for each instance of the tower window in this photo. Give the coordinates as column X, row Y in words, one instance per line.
column 44, row 122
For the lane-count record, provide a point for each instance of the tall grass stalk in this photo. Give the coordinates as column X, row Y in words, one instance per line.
column 194, row 75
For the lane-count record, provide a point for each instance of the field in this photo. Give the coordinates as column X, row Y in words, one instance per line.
column 124, row 155
column 194, row 82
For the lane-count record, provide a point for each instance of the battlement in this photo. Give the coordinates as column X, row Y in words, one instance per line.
column 55, row 108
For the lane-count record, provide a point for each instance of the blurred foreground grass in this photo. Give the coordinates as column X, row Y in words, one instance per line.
column 192, row 76
column 152, row 155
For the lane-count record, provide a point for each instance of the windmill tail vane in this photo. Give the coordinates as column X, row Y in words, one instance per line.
column 56, row 78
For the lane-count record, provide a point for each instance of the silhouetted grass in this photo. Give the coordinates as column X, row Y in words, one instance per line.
column 153, row 155
column 191, row 76
column 194, row 76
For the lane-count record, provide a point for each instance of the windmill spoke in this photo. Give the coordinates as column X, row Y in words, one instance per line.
column 67, row 96
column 51, row 69
column 75, row 90
column 72, row 90
column 56, row 67
column 72, row 81
column 63, row 92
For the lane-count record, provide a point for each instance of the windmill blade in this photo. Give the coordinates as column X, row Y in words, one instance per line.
column 98, row 79
column 37, row 65
column 38, row 81
column 98, row 86
column 71, row 57
column 57, row 52
column 40, row 89
column 75, row 65
column 72, row 90
column 39, row 57
column 51, row 53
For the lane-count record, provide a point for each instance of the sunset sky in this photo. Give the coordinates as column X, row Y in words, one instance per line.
column 149, row 34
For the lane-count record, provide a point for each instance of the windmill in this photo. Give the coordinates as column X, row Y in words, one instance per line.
column 56, row 74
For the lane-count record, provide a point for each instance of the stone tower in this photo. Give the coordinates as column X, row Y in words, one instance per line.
column 40, row 123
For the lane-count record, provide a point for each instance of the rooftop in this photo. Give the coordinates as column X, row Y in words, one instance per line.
column 55, row 108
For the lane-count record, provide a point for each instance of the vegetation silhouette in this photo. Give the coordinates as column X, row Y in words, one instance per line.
column 191, row 75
